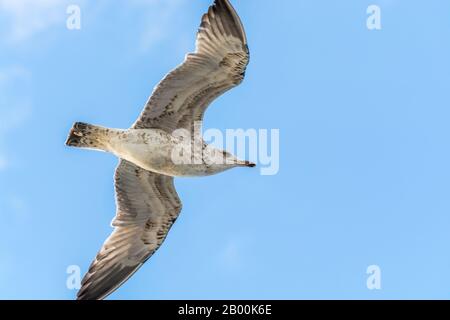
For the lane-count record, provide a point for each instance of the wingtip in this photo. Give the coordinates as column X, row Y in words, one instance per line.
column 226, row 4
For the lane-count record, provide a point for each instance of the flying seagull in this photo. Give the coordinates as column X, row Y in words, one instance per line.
column 146, row 199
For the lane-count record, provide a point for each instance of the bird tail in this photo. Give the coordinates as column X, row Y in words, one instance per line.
column 88, row 136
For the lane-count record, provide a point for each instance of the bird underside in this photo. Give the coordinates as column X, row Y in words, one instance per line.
column 156, row 151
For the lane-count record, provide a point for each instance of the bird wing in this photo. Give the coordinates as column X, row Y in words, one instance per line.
column 218, row 64
column 147, row 207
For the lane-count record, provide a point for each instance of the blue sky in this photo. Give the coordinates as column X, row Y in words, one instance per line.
column 364, row 149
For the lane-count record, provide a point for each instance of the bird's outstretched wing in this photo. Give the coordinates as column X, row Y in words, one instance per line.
column 147, row 207
column 217, row 65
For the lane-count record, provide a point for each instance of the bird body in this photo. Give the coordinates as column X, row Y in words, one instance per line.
column 152, row 151
column 156, row 150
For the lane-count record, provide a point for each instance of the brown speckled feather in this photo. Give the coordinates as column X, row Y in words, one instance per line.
column 217, row 66
column 147, row 207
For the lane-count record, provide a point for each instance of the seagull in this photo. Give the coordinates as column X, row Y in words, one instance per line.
column 156, row 149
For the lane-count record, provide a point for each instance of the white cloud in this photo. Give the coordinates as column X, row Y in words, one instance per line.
column 28, row 17
column 20, row 20
column 23, row 19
